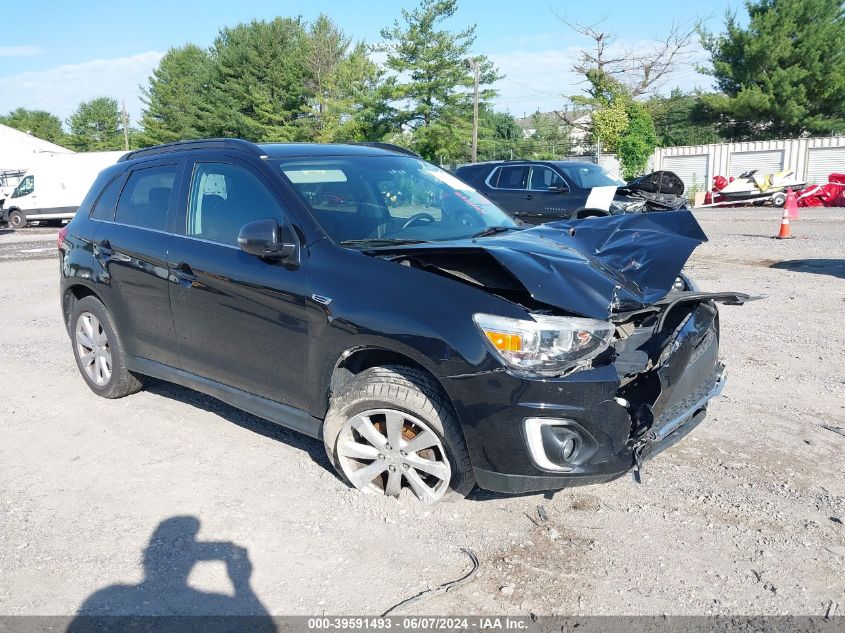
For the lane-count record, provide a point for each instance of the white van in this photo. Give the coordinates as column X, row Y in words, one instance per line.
column 53, row 187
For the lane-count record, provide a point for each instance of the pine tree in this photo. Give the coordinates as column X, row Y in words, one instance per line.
column 175, row 97
column 784, row 74
column 431, row 81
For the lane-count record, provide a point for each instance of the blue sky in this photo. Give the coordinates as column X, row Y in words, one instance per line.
column 60, row 53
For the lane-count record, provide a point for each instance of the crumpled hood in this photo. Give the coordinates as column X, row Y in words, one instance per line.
column 589, row 267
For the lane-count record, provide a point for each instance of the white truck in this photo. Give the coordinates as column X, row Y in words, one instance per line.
column 53, row 187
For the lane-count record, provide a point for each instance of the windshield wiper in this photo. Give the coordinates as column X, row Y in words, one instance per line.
column 492, row 230
column 380, row 241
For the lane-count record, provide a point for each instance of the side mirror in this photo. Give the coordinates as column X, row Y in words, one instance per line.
column 267, row 240
column 558, row 189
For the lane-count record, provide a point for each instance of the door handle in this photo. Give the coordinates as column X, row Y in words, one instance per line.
column 527, row 197
column 184, row 275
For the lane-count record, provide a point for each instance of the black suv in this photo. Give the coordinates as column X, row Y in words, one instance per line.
column 545, row 191
column 367, row 298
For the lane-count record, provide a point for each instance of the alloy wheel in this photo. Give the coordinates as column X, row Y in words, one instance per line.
column 93, row 349
column 383, row 450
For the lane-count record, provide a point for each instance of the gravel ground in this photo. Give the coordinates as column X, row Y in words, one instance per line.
column 745, row 516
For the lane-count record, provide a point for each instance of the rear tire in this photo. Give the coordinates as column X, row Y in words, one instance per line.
column 98, row 350
column 17, row 220
column 373, row 398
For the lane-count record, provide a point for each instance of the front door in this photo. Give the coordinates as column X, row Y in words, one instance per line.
column 240, row 320
column 549, row 193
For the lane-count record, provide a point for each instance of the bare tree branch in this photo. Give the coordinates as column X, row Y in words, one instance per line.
column 639, row 71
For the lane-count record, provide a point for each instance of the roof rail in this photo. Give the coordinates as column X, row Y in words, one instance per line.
column 390, row 147
column 210, row 143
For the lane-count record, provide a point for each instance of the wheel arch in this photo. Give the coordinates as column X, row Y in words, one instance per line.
column 73, row 293
column 354, row 360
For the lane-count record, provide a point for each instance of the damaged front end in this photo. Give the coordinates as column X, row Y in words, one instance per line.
column 657, row 191
column 646, row 387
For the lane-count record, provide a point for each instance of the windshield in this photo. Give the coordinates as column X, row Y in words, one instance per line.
column 388, row 199
column 588, row 175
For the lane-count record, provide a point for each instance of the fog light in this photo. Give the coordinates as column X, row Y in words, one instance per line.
column 552, row 442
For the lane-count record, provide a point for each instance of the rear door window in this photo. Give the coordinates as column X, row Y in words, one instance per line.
column 146, row 197
column 511, row 177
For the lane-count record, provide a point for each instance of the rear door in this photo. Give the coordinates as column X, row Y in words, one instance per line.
column 130, row 251
column 507, row 186
column 240, row 320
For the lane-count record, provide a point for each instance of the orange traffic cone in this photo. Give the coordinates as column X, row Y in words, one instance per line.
column 791, row 204
column 784, row 226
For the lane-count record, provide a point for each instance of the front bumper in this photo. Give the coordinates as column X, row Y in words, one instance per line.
column 615, row 426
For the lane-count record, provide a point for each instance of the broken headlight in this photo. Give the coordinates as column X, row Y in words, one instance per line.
column 547, row 345
column 685, row 282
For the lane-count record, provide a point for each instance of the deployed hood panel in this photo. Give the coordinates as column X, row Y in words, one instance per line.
column 589, row 267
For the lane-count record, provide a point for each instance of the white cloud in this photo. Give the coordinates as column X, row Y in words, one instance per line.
column 59, row 90
column 19, row 51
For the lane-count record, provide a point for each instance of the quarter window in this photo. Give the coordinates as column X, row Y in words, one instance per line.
column 106, row 203
column 146, row 197
column 511, row 177
column 224, row 198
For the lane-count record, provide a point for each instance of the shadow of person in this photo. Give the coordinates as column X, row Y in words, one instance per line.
column 163, row 601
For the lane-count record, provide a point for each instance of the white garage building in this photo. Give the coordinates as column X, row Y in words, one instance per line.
column 812, row 159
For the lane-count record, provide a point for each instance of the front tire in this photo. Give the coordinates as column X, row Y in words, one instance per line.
column 17, row 220
column 393, row 427
column 98, row 350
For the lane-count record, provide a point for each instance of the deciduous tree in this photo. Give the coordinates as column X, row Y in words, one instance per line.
column 39, row 123
column 96, row 125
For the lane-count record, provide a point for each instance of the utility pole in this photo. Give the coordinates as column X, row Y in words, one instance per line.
column 472, row 63
column 125, row 125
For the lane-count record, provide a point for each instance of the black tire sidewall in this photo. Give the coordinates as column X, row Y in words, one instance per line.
column 95, row 307
column 353, row 401
column 15, row 215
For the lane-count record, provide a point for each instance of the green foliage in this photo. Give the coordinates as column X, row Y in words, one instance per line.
column 39, row 123
column 257, row 81
column 609, row 102
column 682, row 119
column 174, row 97
column 783, row 74
column 430, row 81
column 498, row 134
column 343, row 86
column 96, row 125
column 551, row 139
column 637, row 143
column 282, row 80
